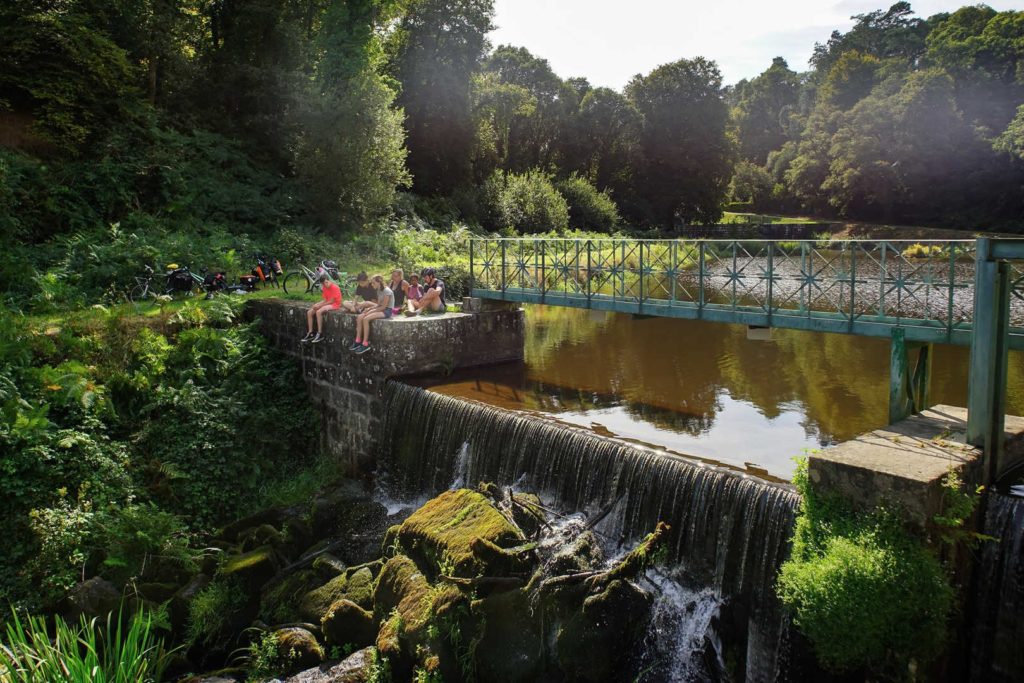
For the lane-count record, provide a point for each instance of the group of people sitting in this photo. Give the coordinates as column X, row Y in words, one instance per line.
column 376, row 299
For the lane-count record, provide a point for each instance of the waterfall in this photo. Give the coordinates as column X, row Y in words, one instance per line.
column 998, row 629
column 729, row 531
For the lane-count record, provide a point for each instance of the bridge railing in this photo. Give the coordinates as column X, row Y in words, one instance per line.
column 853, row 286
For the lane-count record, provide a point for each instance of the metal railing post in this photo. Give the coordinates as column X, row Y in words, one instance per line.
column 503, row 266
column 471, row 266
column 986, row 399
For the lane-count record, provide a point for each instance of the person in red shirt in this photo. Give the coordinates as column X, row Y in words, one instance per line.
column 331, row 301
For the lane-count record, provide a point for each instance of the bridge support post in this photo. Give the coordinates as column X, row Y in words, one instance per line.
column 909, row 384
column 986, row 397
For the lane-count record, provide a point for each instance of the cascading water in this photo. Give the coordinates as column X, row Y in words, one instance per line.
column 729, row 531
column 996, row 653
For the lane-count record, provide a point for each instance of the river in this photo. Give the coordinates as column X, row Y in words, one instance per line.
column 703, row 390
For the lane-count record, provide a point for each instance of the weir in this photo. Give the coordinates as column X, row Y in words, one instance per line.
column 729, row 531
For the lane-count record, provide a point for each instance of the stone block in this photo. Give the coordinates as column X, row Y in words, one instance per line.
column 903, row 465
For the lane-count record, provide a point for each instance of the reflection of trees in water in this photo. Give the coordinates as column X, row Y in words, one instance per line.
column 661, row 368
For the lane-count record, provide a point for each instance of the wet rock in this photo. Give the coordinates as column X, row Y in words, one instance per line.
column 251, row 569
column 346, row 623
column 280, row 600
column 512, row 645
column 440, row 535
column 355, row 585
column 344, row 510
column 353, row 669
column 95, row 597
column 527, row 512
column 583, row 554
column 298, row 535
column 596, row 642
column 299, row 647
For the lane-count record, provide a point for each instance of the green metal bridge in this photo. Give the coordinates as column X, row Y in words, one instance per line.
column 965, row 292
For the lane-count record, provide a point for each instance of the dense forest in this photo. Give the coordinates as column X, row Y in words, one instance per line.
column 206, row 117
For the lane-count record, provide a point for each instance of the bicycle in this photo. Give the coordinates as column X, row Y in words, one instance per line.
column 142, row 290
column 307, row 280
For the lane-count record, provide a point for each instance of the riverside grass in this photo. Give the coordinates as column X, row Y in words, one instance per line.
column 119, row 650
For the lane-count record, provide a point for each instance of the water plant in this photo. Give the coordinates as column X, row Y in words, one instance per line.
column 865, row 591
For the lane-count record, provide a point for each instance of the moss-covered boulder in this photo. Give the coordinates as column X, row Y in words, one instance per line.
column 298, row 647
column 358, row 667
column 280, row 600
column 596, row 643
column 511, row 647
column 416, row 618
column 440, row 535
column 252, row 569
column 355, row 585
column 346, row 623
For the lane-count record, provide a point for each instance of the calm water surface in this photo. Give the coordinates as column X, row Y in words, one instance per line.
column 703, row 389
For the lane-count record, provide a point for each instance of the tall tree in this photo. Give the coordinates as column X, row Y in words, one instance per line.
column 536, row 137
column 436, row 48
column 685, row 155
column 350, row 149
column 764, row 106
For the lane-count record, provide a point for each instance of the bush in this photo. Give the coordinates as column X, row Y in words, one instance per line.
column 589, row 209
column 526, row 203
column 864, row 590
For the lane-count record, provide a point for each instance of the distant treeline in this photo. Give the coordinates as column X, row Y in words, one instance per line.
column 256, row 114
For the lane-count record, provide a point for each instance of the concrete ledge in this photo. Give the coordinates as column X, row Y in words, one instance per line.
column 903, row 464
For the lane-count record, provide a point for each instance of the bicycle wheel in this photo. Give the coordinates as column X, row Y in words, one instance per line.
column 295, row 282
column 138, row 293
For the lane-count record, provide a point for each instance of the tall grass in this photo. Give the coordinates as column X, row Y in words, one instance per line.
column 119, row 651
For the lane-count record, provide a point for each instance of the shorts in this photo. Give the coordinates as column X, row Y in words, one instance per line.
column 388, row 312
column 332, row 307
column 396, row 310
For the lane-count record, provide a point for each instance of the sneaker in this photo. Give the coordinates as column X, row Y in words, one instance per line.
column 355, row 345
column 317, row 339
column 308, row 337
column 363, row 348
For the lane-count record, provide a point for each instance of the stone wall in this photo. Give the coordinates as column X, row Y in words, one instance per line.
column 348, row 386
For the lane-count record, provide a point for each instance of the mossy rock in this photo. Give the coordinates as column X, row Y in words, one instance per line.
column 582, row 555
column 406, row 605
column 597, row 642
column 299, row 648
column 233, row 531
column 528, row 513
column 157, row 592
column 251, row 569
column 280, row 601
column 264, row 534
column 356, row 586
column 346, row 623
column 441, row 533
column 512, row 644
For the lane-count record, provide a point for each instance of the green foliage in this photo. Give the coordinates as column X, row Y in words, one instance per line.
column 264, row 659
column 526, row 203
column 866, row 592
column 121, row 650
column 686, row 153
column 141, row 541
column 211, row 614
column 958, row 507
column 589, row 209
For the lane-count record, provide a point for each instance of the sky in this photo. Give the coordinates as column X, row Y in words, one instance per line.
column 610, row 41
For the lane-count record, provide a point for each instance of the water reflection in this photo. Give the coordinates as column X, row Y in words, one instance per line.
column 703, row 389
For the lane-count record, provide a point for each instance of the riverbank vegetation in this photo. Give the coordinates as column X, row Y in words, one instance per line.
column 870, row 594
